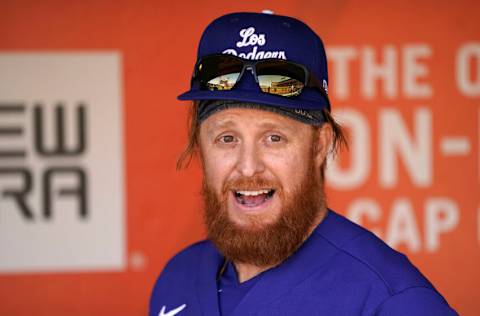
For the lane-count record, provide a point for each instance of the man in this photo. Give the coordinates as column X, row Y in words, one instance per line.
column 262, row 128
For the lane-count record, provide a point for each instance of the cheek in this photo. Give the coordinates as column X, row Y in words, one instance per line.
column 216, row 167
column 289, row 168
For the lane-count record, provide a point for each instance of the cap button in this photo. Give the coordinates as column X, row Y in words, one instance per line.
column 266, row 11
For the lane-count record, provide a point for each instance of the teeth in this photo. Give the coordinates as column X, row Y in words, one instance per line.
column 253, row 193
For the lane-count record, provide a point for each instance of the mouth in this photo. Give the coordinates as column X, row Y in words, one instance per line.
column 253, row 198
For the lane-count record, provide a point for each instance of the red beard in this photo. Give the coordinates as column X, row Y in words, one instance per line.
column 263, row 244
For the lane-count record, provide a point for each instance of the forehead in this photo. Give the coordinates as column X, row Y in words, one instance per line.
column 250, row 118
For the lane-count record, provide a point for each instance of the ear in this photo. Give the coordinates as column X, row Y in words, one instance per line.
column 324, row 138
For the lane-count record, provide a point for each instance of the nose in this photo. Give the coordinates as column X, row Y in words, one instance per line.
column 250, row 160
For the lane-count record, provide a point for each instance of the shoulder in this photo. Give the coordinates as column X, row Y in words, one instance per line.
column 360, row 249
column 182, row 265
column 415, row 301
column 182, row 261
column 178, row 278
column 366, row 258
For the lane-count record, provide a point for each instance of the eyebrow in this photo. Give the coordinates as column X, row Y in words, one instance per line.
column 270, row 125
column 228, row 123
column 221, row 124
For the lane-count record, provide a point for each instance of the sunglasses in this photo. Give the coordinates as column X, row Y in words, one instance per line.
column 220, row 72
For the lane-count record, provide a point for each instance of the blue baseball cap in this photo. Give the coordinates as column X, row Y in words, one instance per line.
column 259, row 36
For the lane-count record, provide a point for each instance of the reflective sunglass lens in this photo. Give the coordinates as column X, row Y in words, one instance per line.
column 280, row 85
column 219, row 72
column 223, row 82
column 280, row 78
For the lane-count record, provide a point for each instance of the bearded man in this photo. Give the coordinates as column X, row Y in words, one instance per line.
column 261, row 125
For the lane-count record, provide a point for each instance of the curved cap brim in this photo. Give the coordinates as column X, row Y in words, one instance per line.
column 300, row 102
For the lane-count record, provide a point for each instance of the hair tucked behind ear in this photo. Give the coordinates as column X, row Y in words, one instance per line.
column 339, row 139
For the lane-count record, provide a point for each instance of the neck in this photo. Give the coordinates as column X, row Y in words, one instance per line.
column 246, row 271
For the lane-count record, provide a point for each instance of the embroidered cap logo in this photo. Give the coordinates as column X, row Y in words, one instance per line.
column 250, row 38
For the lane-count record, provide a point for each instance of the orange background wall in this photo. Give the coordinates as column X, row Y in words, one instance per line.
column 157, row 41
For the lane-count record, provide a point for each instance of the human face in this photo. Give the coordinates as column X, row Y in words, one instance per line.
column 255, row 160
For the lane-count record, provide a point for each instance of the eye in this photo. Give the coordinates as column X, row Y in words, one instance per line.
column 226, row 139
column 274, row 138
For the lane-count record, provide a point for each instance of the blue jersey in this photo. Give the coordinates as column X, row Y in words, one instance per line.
column 341, row 269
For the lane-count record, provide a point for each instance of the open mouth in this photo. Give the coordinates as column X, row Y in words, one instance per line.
column 253, row 198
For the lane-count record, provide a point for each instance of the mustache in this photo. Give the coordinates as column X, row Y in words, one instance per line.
column 250, row 183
